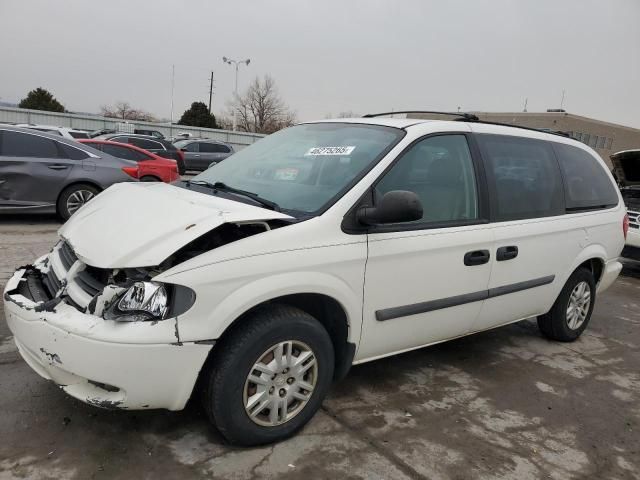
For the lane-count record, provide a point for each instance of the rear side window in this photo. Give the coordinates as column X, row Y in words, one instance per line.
column 146, row 144
column 213, row 148
column 16, row 144
column 71, row 152
column 587, row 185
column 523, row 174
column 123, row 152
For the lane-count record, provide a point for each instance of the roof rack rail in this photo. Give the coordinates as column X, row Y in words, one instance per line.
column 541, row 130
column 462, row 115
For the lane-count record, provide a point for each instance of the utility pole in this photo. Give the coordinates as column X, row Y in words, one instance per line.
column 231, row 61
column 210, row 92
column 173, row 81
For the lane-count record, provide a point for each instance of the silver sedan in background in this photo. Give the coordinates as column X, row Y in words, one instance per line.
column 45, row 173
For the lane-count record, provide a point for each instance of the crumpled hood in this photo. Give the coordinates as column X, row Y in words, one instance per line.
column 141, row 224
column 626, row 166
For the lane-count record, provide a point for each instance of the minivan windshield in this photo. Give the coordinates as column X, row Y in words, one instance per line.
column 305, row 167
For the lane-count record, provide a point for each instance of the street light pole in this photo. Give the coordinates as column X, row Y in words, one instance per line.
column 230, row 61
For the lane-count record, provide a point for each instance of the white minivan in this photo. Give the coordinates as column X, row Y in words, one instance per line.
column 324, row 245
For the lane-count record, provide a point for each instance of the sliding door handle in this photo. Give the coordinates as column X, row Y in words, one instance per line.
column 506, row 253
column 476, row 257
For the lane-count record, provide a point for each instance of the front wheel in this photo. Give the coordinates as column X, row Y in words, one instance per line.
column 269, row 377
column 571, row 312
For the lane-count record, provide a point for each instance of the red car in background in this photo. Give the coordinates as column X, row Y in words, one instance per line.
column 151, row 167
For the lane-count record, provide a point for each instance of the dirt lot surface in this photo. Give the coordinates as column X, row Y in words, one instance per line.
column 502, row 404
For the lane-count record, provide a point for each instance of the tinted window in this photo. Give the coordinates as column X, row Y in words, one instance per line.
column 16, row 144
column 79, row 134
column 119, row 139
column 524, row 175
column 213, row 148
column 72, row 152
column 440, row 171
column 123, row 152
column 587, row 184
column 189, row 147
column 146, row 144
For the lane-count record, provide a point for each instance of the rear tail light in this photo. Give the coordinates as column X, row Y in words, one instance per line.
column 625, row 226
column 131, row 171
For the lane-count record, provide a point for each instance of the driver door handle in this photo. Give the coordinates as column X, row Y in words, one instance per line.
column 58, row 166
column 506, row 253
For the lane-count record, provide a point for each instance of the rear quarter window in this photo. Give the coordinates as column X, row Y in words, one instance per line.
column 586, row 183
column 523, row 177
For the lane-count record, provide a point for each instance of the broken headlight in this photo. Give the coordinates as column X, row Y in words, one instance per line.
column 142, row 301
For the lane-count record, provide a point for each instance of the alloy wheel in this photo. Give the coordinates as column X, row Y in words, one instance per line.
column 578, row 306
column 280, row 383
column 77, row 199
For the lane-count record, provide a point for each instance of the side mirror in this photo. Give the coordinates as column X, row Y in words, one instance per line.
column 396, row 206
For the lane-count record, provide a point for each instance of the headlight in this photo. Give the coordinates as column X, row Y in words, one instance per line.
column 142, row 301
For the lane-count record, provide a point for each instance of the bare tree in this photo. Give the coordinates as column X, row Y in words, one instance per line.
column 125, row 111
column 261, row 109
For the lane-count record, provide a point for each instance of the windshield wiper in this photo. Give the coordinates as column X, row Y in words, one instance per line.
column 223, row 187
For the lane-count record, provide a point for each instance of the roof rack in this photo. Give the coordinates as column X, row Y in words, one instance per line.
column 470, row 117
column 541, row 130
column 462, row 115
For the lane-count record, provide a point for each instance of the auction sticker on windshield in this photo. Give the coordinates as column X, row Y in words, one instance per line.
column 330, row 151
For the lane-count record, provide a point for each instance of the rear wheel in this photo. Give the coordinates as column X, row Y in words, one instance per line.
column 74, row 197
column 150, row 178
column 571, row 312
column 269, row 377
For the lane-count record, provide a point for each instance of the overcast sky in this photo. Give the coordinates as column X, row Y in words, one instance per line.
column 329, row 56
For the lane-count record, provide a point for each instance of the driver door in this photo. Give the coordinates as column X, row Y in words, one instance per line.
column 426, row 281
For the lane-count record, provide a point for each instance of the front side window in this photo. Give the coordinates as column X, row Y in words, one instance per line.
column 524, row 175
column 587, row 185
column 439, row 170
column 213, row 148
column 17, row 144
column 192, row 147
column 305, row 167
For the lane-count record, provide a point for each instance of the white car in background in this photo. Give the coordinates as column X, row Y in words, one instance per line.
column 323, row 245
column 66, row 132
column 626, row 167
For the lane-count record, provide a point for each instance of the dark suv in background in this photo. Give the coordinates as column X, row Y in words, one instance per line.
column 158, row 146
column 200, row 154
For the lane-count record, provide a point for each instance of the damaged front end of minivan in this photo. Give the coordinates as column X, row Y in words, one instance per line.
column 111, row 336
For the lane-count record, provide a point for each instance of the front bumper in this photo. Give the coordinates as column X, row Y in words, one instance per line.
column 104, row 363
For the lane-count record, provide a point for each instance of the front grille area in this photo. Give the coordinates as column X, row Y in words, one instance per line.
column 634, row 219
column 82, row 282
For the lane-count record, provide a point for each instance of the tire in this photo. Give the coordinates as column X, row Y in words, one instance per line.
column 149, row 178
column 559, row 323
column 81, row 192
column 226, row 384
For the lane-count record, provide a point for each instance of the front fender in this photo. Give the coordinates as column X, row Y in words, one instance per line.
column 226, row 290
column 194, row 327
